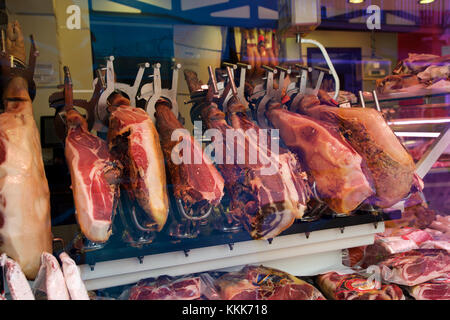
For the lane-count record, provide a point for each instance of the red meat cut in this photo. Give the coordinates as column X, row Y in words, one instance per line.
column 197, row 183
column 167, row 288
column 95, row 178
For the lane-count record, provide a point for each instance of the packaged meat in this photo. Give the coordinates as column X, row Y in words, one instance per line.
column 356, row 287
column 262, row 283
column 72, row 277
column 436, row 244
column 436, row 289
column 18, row 286
column 189, row 287
column 50, row 283
column 415, row 266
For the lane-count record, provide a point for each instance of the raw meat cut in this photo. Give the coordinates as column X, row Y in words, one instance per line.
column 436, row 289
column 19, row 288
column 262, row 283
column 95, row 178
column 167, row 288
column 416, row 266
column 134, row 141
column 335, row 167
column 197, row 183
column 417, row 62
column 266, row 196
column 25, row 226
column 72, row 277
column 437, row 244
column 390, row 165
column 50, row 279
column 356, row 287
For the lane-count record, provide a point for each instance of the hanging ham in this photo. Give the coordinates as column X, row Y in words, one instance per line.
column 25, row 226
column 134, row 141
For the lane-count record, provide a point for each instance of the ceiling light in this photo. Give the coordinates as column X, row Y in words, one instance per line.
column 425, row 1
column 356, row 1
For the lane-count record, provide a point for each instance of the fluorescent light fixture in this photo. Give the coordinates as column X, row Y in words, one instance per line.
column 421, row 121
column 418, row 134
column 425, row 1
column 355, row 1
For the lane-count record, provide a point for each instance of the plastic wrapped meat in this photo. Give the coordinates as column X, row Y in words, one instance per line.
column 436, row 289
column 19, row 288
column 415, row 266
column 72, row 277
column 173, row 288
column 262, row 283
column 50, row 283
column 356, row 287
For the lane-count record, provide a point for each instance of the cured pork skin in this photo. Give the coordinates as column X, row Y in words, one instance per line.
column 50, row 279
column 25, row 225
column 196, row 184
column 265, row 202
column 134, row 141
column 333, row 164
column 391, row 166
column 356, row 287
column 19, row 288
column 94, row 176
column 72, row 277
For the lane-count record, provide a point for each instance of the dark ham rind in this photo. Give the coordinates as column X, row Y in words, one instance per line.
column 198, row 185
column 356, row 287
column 134, row 142
column 389, row 166
column 335, row 167
column 266, row 203
column 415, row 266
column 262, row 283
column 18, row 286
column 95, row 178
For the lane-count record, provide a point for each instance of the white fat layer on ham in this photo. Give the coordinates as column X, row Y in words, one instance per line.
column 72, row 276
column 50, row 279
column 24, row 192
column 142, row 135
column 18, row 285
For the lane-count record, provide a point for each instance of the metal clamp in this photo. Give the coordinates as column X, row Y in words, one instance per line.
column 158, row 92
column 322, row 72
column 269, row 95
column 302, row 80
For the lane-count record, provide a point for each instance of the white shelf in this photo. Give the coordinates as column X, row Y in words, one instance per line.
column 294, row 253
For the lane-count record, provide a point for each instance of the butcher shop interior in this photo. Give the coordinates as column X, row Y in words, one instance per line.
column 225, row 150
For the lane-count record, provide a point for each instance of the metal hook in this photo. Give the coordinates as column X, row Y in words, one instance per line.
column 183, row 212
column 141, row 259
column 186, row 252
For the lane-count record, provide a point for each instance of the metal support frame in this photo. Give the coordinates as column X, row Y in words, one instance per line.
column 298, row 254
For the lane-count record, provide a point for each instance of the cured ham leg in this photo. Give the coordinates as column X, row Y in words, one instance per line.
column 266, row 203
column 19, row 288
column 390, row 165
column 25, row 226
column 333, row 164
column 197, row 183
column 134, row 141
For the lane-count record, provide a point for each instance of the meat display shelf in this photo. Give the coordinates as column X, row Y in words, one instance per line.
column 418, row 94
column 305, row 248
